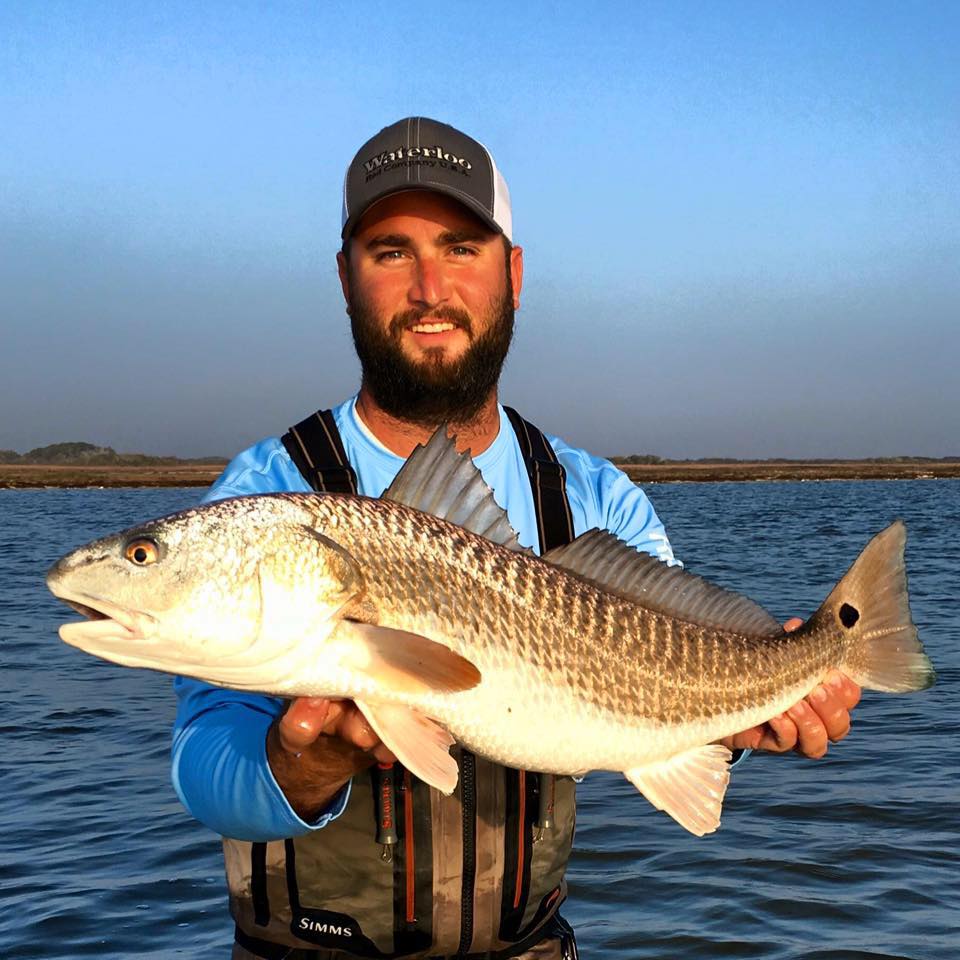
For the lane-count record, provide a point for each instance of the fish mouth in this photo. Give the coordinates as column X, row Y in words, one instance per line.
column 91, row 613
column 105, row 624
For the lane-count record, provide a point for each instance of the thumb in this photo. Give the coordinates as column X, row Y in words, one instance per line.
column 302, row 723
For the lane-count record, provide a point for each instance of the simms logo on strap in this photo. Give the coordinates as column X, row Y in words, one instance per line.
column 331, row 929
column 414, row 154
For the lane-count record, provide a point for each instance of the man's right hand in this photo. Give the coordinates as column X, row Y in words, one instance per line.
column 316, row 747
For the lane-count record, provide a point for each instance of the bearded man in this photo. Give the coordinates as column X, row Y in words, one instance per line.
column 332, row 848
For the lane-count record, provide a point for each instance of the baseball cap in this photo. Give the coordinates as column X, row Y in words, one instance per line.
column 422, row 154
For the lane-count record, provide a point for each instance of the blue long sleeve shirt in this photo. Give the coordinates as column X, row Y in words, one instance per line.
column 220, row 769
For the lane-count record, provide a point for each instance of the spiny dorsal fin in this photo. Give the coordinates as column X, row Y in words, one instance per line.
column 439, row 481
column 618, row 568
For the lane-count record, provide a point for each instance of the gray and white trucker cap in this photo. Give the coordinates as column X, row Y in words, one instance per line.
column 423, row 154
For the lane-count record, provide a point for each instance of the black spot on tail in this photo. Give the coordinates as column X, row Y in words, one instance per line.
column 849, row 615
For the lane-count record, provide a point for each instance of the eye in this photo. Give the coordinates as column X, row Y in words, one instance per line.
column 142, row 551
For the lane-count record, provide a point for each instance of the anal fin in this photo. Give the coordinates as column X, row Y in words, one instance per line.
column 689, row 787
column 418, row 742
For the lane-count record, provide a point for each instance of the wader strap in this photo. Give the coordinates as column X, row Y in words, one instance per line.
column 315, row 447
column 549, row 482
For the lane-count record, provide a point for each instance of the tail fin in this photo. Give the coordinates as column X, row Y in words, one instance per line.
column 870, row 607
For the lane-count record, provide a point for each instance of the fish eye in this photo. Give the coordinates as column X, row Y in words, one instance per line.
column 142, row 551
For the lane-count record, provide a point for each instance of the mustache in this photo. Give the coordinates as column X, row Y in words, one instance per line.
column 401, row 321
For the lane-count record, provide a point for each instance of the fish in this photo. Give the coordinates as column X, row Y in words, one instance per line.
column 423, row 607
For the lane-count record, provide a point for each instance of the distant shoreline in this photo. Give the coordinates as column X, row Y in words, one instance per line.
column 703, row 471
column 20, row 476
column 25, row 476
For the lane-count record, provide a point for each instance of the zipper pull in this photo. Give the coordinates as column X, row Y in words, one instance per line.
column 545, row 809
column 385, row 801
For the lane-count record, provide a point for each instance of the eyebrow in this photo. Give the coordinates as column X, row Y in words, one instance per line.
column 388, row 240
column 467, row 235
column 445, row 239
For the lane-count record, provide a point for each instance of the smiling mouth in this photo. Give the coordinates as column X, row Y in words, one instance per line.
column 437, row 326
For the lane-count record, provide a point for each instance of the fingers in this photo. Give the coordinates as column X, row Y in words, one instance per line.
column 354, row 727
column 303, row 723
column 780, row 734
column 811, row 725
column 776, row 736
column 812, row 740
column 832, row 701
column 308, row 718
column 824, row 716
column 844, row 687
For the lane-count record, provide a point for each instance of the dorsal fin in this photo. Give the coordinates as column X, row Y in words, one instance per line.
column 439, row 481
column 618, row 568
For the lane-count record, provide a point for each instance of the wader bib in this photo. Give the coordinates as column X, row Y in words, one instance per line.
column 405, row 871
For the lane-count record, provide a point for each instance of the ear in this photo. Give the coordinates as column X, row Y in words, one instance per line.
column 343, row 271
column 516, row 274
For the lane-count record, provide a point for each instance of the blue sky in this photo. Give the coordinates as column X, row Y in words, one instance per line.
column 740, row 219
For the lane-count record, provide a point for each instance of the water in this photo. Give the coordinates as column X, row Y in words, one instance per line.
column 851, row 857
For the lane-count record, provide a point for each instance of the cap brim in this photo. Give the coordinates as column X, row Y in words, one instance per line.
column 464, row 199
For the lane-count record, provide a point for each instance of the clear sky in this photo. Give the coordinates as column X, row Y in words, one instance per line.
column 741, row 220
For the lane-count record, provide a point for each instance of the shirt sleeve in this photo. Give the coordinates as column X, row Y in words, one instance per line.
column 219, row 756
column 603, row 496
column 220, row 769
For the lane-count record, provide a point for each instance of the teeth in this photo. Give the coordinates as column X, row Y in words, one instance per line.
column 432, row 327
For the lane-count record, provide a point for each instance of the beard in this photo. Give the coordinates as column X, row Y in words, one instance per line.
column 434, row 389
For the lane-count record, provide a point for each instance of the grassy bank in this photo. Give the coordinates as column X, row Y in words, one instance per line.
column 202, row 475
column 60, row 475
column 703, row 471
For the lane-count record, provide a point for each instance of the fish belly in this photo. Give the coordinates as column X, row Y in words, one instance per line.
column 508, row 720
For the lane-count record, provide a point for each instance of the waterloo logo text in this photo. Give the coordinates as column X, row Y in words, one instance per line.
column 414, row 155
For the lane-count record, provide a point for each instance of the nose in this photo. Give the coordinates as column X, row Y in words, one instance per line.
column 429, row 284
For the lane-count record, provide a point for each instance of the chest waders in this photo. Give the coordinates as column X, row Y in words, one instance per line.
column 405, row 871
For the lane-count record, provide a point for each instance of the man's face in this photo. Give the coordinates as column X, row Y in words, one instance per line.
column 431, row 294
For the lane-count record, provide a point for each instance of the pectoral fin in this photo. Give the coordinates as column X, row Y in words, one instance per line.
column 419, row 743
column 402, row 661
column 689, row 787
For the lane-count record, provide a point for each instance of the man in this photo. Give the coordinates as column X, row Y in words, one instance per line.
column 335, row 850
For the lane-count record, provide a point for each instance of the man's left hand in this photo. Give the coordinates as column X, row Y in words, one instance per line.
column 821, row 718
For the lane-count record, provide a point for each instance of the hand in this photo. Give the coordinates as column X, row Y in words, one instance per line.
column 309, row 718
column 316, row 747
column 822, row 717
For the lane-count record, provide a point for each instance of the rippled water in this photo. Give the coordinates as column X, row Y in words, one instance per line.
column 854, row 856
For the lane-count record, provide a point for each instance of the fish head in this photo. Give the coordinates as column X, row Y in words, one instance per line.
column 224, row 592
